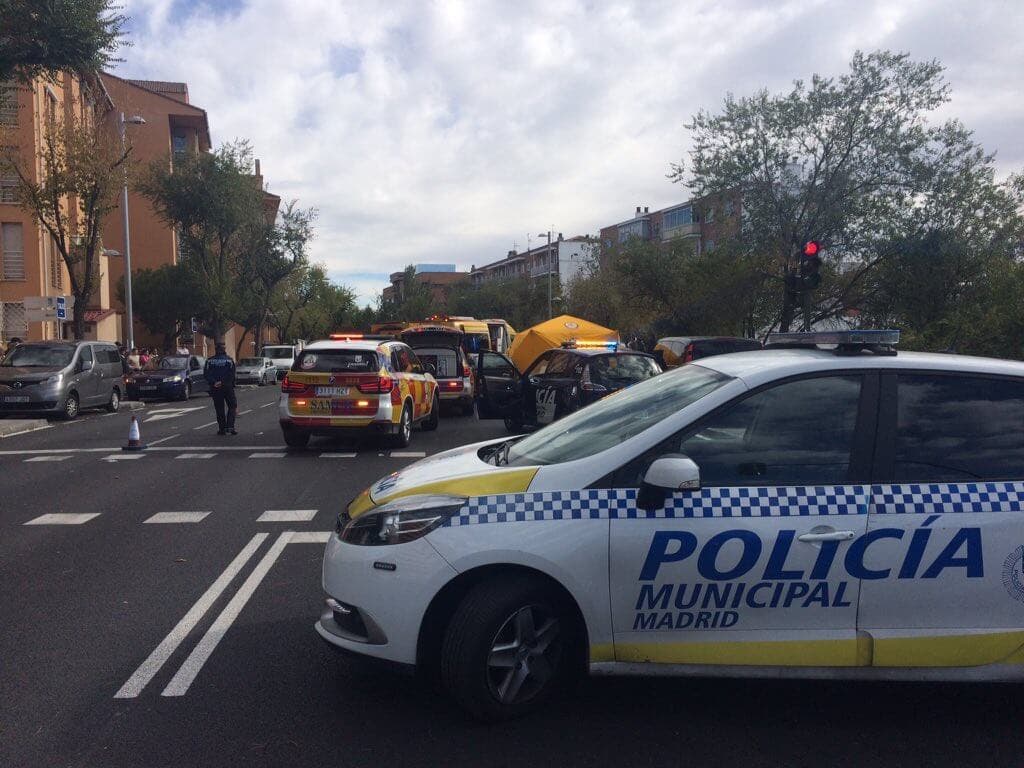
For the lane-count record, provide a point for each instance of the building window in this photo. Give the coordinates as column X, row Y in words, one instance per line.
column 8, row 188
column 730, row 208
column 640, row 228
column 709, row 246
column 13, row 252
column 8, row 104
column 53, row 258
column 179, row 146
column 12, row 321
column 680, row 217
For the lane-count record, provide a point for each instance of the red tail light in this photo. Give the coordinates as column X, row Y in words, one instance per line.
column 292, row 387
column 688, row 354
column 378, row 385
column 454, row 385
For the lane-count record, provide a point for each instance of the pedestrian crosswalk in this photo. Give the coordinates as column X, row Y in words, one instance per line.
column 175, row 518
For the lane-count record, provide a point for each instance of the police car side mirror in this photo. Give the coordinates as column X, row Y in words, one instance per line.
column 666, row 475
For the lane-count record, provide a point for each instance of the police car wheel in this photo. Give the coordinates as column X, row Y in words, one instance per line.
column 504, row 652
column 430, row 423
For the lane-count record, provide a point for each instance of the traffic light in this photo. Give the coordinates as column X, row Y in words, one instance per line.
column 810, row 266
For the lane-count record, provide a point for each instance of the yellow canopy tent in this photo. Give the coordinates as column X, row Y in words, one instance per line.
column 529, row 344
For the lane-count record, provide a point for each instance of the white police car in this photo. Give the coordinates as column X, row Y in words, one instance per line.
column 801, row 512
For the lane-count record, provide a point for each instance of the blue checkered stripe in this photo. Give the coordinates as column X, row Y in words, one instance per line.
column 619, row 504
column 943, row 498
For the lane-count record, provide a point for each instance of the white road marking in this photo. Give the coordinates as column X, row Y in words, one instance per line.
column 242, row 413
column 148, row 669
column 49, row 458
column 46, row 451
column 112, row 448
column 204, row 426
column 267, row 405
column 170, row 413
column 286, row 516
column 63, row 518
column 310, row 537
column 267, row 455
column 195, row 456
column 123, row 457
column 33, row 429
column 337, row 455
column 408, row 454
column 163, row 439
column 190, row 668
column 177, row 517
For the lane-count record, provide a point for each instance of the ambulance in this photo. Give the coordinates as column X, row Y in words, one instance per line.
column 824, row 508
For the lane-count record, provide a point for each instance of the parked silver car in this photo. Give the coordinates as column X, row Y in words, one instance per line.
column 255, row 370
column 61, row 378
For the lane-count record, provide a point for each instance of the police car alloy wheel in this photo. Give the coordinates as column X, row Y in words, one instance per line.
column 505, row 649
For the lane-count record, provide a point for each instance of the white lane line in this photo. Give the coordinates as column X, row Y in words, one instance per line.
column 195, row 456
column 26, row 431
column 204, row 426
column 310, row 537
column 408, row 454
column 286, row 516
column 112, row 448
column 163, row 440
column 49, row 458
column 337, row 455
column 267, row 405
column 47, row 451
column 123, row 457
column 63, row 518
column 267, row 455
column 170, row 413
column 190, row 668
column 177, row 517
column 242, row 413
column 148, row 669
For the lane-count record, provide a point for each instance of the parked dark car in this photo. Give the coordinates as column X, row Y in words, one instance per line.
column 557, row 383
column 673, row 351
column 174, row 377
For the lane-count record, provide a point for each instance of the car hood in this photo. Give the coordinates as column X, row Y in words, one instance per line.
column 460, row 472
column 16, row 373
column 155, row 375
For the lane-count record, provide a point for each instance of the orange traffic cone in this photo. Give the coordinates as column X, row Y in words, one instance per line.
column 134, row 438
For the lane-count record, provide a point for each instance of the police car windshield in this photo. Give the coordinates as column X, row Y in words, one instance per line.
column 617, row 417
column 621, row 370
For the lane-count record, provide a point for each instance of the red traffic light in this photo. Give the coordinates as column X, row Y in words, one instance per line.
column 811, row 248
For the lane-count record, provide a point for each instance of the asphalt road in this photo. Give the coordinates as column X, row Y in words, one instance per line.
column 191, row 642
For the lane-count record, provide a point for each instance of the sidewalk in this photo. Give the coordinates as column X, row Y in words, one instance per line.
column 9, row 427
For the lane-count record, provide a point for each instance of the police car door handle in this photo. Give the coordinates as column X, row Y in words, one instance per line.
column 826, row 536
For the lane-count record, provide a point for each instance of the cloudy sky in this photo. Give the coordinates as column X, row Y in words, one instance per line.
column 454, row 131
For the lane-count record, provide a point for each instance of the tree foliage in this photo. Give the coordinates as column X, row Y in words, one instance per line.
column 307, row 305
column 852, row 162
column 80, row 173
column 45, row 37
column 164, row 300
column 521, row 301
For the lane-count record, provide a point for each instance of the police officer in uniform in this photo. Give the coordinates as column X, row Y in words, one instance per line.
column 220, row 375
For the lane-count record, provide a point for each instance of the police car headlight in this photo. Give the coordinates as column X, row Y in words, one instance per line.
column 399, row 521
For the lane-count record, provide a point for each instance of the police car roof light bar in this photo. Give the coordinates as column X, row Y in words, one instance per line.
column 879, row 342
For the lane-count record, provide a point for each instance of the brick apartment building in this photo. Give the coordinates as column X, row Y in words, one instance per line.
column 30, row 264
column 439, row 278
column 702, row 221
column 564, row 258
column 31, row 267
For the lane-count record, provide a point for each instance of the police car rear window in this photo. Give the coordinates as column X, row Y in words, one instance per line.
column 616, row 418
column 337, row 361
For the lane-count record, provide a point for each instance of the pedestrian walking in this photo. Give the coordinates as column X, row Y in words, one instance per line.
column 220, row 375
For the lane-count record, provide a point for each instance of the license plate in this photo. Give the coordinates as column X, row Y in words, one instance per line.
column 16, row 399
column 148, row 387
column 331, row 391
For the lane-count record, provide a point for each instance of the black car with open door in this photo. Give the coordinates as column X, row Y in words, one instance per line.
column 560, row 381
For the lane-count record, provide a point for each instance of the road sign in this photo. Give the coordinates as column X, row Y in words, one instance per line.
column 62, row 309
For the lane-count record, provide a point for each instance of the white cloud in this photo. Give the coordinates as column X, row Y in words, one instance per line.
column 447, row 131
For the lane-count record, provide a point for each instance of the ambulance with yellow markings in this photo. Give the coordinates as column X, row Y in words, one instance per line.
column 352, row 383
column 823, row 508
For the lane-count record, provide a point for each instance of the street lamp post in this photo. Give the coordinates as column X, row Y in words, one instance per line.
column 542, row 234
column 122, row 122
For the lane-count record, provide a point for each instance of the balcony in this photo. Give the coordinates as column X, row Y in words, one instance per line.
column 683, row 230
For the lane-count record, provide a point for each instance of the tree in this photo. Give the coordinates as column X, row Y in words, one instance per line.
column 415, row 302
column 45, row 37
column 279, row 251
column 165, row 300
column 216, row 206
column 308, row 306
column 81, row 166
column 851, row 162
column 521, row 301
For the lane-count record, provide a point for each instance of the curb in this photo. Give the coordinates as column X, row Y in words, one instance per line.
column 12, row 427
